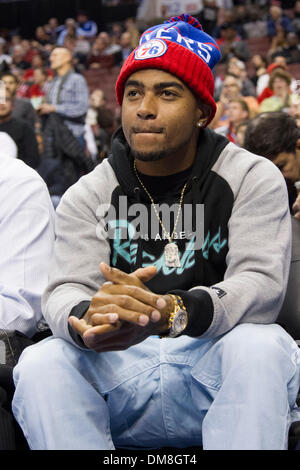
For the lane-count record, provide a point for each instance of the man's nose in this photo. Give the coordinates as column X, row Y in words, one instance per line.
column 147, row 108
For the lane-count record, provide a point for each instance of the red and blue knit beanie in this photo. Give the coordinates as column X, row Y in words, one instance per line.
column 180, row 47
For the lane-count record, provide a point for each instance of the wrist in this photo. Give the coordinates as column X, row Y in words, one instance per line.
column 177, row 317
column 163, row 324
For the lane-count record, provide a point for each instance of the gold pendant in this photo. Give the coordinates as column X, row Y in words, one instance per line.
column 172, row 256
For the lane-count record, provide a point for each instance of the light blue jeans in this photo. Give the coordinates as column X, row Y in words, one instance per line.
column 234, row 392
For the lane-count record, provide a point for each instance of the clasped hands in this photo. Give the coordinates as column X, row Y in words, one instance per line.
column 123, row 312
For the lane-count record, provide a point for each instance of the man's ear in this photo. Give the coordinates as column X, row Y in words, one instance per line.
column 203, row 111
column 199, row 113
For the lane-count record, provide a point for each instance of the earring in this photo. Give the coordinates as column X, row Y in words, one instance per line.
column 199, row 124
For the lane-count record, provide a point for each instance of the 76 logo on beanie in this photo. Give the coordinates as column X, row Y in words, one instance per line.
column 151, row 49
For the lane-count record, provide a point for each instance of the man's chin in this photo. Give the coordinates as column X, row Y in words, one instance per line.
column 149, row 156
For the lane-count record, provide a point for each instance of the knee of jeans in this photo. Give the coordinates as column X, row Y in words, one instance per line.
column 40, row 359
column 263, row 343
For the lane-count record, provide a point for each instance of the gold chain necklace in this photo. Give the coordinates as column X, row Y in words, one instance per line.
column 172, row 259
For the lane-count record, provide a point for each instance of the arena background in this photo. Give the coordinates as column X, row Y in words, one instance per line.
column 26, row 15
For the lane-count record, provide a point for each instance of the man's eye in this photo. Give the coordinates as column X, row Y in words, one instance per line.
column 132, row 93
column 168, row 93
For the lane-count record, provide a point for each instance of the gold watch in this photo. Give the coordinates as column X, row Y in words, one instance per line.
column 178, row 318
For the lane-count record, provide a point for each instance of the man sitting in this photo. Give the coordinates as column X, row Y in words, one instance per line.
column 172, row 341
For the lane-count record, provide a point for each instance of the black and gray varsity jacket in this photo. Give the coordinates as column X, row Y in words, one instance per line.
column 237, row 275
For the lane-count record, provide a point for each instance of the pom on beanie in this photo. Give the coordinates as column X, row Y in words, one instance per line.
column 181, row 47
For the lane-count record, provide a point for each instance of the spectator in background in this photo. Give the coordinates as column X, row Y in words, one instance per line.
column 131, row 27
column 101, row 119
column 15, row 41
column 280, row 62
column 264, row 79
column 22, row 134
column 292, row 49
column 41, row 36
column 279, row 43
column 240, row 132
column 98, row 106
column 104, row 53
column 52, row 29
column 70, row 30
column 209, row 15
column 260, row 65
column 110, row 48
column 39, row 88
column 296, row 208
column 70, row 44
column 227, row 16
column 37, row 63
column 231, row 90
column 231, row 43
column 86, row 28
column 275, row 136
column 296, row 19
column 125, row 43
column 97, row 59
column 5, row 59
column 294, row 111
column 70, row 37
column 81, row 51
column 68, row 95
column 29, row 50
column 276, row 17
column 280, row 83
column 237, row 68
column 22, row 108
column 237, row 112
column 18, row 59
column 116, row 32
column 242, row 16
column 256, row 27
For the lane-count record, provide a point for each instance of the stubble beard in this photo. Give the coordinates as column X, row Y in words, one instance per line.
column 150, row 156
column 160, row 154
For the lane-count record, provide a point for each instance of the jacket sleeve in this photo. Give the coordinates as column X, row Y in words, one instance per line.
column 27, row 240
column 258, row 260
column 75, row 273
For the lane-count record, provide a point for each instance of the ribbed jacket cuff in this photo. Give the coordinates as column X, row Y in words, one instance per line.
column 78, row 311
column 200, row 309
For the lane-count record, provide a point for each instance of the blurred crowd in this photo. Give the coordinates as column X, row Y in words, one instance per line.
column 248, row 81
